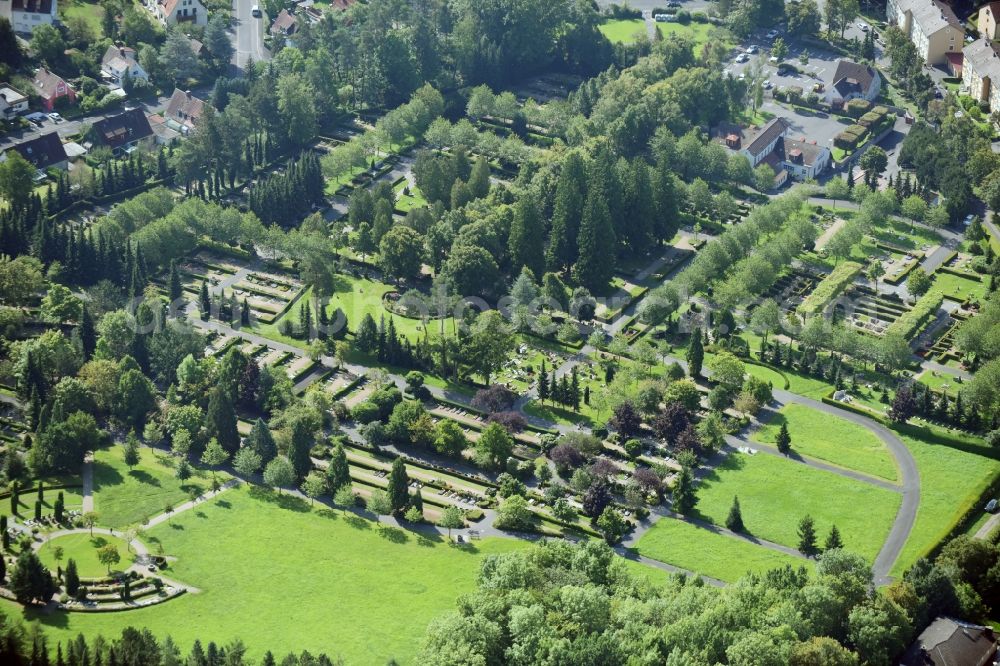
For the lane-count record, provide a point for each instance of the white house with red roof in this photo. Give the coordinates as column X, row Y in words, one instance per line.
column 172, row 12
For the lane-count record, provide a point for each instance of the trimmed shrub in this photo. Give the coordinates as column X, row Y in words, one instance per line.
column 858, row 107
column 911, row 322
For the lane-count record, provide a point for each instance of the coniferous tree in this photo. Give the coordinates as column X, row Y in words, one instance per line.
column 833, row 540
column 595, row 262
column 176, row 289
column 684, row 497
column 567, row 211
column 526, row 243
column 338, row 472
column 734, row 521
column 220, row 420
column 261, row 442
column 88, row 336
column 695, row 354
column 784, row 439
column 398, row 489
column 807, row 536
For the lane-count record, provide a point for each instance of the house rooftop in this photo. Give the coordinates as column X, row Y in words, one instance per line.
column 983, row 56
column 756, row 140
column 10, row 95
column 47, row 84
column 931, row 15
column 948, row 642
column 284, row 23
column 43, row 151
column 123, row 129
column 851, row 77
column 184, row 107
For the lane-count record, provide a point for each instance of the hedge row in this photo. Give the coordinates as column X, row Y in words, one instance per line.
column 830, row 287
column 911, row 322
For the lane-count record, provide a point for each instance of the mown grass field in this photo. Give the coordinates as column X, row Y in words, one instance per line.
column 124, row 497
column 954, row 471
column 262, row 560
column 831, row 439
column 83, row 549
column 776, row 493
column 716, row 555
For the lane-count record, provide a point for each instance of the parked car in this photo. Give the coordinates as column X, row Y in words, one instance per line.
column 772, row 33
column 752, row 48
column 743, row 57
column 673, row 3
column 255, row 11
column 991, row 506
column 55, row 117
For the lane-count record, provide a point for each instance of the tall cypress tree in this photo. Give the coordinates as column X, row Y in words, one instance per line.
column 567, row 211
column 176, row 290
column 526, row 235
column 595, row 262
column 399, row 482
column 88, row 336
column 220, row 420
column 695, row 354
column 338, row 473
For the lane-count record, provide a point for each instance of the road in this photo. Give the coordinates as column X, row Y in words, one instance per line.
column 248, row 34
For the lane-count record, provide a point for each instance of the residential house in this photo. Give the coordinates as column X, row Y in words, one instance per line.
column 796, row 158
column 756, row 143
column 183, row 111
column 948, row 642
column 51, row 87
column 164, row 134
column 123, row 132
column 119, row 61
column 26, row 15
column 987, row 22
column 930, row 24
column 12, row 102
column 196, row 47
column 981, row 72
column 44, row 152
column 285, row 25
column 172, row 12
column 853, row 80
column 802, row 159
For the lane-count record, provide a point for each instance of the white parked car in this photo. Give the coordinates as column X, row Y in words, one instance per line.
column 752, row 48
column 772, row 33
column 55, row 117
column 743, row 57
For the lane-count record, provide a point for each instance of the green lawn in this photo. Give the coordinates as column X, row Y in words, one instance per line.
column 356, row 297
column 834, row 440
column 261, row 560
column 954, row 472
column 71, row 496
column 958, row 287
column 776, row 493
column 83, row 549
column 716, row 555
column 91, row 12
column 124, row 497
column 624, row 31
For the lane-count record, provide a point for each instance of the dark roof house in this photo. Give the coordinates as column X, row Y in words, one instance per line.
column 123, row 130
column 43, row 152
column 853, row 79
column 948, row 642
